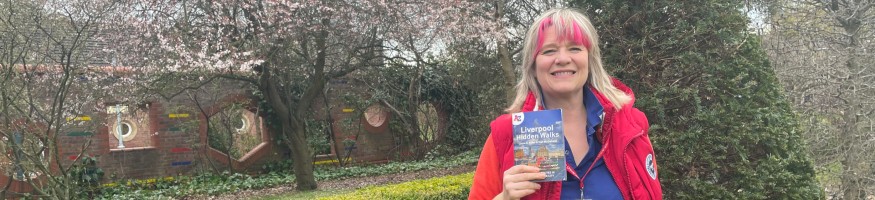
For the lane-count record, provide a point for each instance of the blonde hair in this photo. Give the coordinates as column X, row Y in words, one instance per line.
column 565, row 21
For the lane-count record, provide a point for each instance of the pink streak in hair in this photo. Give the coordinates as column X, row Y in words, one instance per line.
column 575, row 33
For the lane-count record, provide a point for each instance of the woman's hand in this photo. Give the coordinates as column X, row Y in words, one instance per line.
column 518, row 182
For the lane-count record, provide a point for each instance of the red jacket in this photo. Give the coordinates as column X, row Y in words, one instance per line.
column 628, row 153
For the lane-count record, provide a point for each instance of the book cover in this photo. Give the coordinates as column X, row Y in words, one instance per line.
column 538, row 141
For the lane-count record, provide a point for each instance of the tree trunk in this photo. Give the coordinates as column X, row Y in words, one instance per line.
column 505, row 58
column 292, row 118
column 298, row 145
column 850, row 132
column 418, row 147
column 294, row 132
column 301, row 152
column 507, row 68
column 851, row 158
column 292, row 129
column 851, row 179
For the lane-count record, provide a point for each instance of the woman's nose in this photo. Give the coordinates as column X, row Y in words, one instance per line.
column 563, row 57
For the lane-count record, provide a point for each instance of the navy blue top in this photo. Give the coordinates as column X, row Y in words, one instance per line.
column 598, row 184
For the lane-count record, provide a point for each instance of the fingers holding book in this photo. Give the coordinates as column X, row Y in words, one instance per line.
column 518, row 181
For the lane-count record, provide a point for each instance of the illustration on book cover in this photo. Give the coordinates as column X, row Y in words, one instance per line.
column 538, row 141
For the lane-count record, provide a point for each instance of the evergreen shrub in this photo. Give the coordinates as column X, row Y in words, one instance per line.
column 720, row 125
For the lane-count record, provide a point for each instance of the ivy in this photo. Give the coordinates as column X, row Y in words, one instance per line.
column 86, row 175
column 226, row 182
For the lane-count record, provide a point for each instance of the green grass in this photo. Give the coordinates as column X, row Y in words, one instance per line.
column 438, row 188
column 304, row 195
column 446, row 187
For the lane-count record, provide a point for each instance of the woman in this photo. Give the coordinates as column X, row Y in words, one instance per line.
column 607, row 145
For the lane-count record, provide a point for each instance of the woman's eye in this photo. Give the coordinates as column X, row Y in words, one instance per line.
column 576, row 49
column 548, row 51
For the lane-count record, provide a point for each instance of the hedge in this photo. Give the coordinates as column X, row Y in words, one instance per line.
column 440, row 188
column 719, row 123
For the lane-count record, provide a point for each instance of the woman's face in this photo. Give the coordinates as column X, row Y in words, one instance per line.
column 561, row 66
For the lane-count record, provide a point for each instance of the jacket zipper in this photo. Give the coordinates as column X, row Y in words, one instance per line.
column 602, row 129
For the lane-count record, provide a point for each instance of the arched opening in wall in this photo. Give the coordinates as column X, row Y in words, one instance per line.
column 429, row 121
column 235, row 131
column 24, row 156
column 319, row 137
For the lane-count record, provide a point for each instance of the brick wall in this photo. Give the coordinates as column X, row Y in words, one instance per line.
column 171, row 138
column 15, row 187
column 372, row 144
column 138, row 119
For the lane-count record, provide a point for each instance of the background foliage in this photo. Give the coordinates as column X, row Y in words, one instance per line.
column 454, row 86
column 821, row 51
column 276, row 174
column 720, row 124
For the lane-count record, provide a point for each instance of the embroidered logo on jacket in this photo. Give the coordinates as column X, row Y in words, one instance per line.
column 651, row 169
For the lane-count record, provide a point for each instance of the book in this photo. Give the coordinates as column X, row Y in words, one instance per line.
column 538, row 140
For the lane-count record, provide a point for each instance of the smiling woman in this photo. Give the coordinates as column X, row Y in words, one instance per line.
column 562, row 69
column 561, row 65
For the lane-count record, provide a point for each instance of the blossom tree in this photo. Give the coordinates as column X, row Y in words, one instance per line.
column 53, row 80
column 286, row 50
